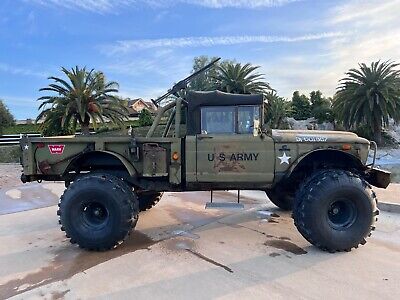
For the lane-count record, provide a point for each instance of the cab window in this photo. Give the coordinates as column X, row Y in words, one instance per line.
column 248, row 118
column 217, row 119
column 229, row 119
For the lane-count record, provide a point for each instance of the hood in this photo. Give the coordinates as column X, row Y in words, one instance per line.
column 317, row 136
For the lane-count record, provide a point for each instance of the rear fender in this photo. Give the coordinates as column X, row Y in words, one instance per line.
column 84, row 157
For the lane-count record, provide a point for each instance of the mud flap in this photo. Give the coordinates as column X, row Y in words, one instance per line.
column 377, row 177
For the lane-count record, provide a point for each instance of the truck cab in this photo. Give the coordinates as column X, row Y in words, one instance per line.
column 223, row 146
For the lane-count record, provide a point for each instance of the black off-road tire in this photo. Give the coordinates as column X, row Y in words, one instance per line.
column 335, row 210
column 98, row 211
column 148, row 199
column 283, row 201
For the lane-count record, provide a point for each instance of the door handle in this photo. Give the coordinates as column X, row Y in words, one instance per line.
column 202, row 137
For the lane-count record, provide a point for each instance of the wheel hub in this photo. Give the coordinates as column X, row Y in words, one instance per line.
column 95, row 214
column 342, row 214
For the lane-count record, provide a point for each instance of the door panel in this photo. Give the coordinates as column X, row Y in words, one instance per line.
column 190, row 159
column 235, row 158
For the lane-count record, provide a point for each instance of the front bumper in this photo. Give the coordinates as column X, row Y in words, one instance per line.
column 377, row 177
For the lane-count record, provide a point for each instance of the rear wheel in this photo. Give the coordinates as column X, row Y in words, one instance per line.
column 335, row 210
column 98, row 211
column 148, row 199
column 277, row 197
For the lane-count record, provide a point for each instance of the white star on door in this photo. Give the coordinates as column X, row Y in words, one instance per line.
column 26, row 147
column 284, row 158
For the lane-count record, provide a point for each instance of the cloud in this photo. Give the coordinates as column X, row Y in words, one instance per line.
column 364, row 11
column 167, row 65
column 6, row 68
column 239, row 3
column 110, row 6
column 375, row 28
column 98, row 6
column 130, row 45
column 145, row 92
column 150, row 74
column 154, row 62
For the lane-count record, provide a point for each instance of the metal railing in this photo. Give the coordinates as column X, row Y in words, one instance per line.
column 13, row 139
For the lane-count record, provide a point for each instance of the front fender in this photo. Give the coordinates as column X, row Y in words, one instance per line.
column 328, row 155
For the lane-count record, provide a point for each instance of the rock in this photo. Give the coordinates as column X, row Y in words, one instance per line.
column 394, row 130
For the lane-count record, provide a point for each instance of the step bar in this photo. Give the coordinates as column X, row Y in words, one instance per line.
column 224, row 205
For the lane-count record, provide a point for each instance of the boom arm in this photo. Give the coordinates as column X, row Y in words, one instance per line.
column 181, row 85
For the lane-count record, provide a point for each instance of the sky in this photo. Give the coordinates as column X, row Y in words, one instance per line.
column 147, row 45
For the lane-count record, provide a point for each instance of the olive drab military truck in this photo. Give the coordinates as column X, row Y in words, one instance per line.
column 211, row 141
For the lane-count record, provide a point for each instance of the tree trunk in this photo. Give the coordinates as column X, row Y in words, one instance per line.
column 85, row 125
column 85, row 129
column 378, row 133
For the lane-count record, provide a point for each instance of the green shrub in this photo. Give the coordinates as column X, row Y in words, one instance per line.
column 22, row 128
column 145, row 118
column 55, row 129
column 301, row 107
column 10, row 154
column 321, row 107
column 6, row 118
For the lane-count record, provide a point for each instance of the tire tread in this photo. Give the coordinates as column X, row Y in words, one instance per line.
column 126, row 199
column 304, row 196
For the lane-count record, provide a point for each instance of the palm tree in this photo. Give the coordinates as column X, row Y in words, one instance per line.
column 276, row 111
column 86, row 97
column 240, row 79
column 369, row 96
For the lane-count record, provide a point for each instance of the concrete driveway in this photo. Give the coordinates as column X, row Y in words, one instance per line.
column 179, row 250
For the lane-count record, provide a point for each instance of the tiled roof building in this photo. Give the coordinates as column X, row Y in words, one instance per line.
column 135, row 106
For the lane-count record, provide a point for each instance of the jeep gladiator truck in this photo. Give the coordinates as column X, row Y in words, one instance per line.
column 322, row 176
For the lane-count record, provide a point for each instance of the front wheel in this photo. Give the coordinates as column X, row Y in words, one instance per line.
column 335, row 210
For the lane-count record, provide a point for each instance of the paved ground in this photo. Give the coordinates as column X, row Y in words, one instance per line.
column 180, row 250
